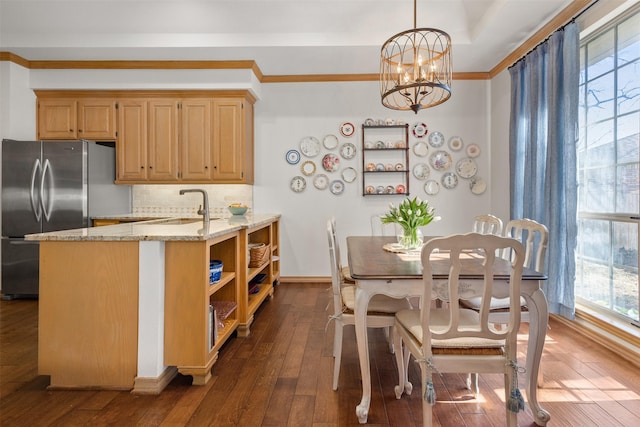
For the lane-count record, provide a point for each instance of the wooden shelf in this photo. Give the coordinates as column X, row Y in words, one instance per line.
column 385, row 182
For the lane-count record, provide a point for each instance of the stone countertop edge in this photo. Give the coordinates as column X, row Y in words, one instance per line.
column 158, row 229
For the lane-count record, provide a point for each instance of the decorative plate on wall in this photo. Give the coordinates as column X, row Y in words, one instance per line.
column 455, row 143
column 449, row 180
column 298, row 184
column 477, row 185
column 337, row 187
column 436, row 139
column 421, row 171
column 293, row 157
column 348, row 150
column 440, row 160
column 321, row 181
column 330, row 142
column 419, row 130
column 310, row 146
column 431, row 187
column 421, row 149
column 349, row 174
column 473, row 150
column 347, row 129
column 308, row 168
column 330, row 162
column 466, row 168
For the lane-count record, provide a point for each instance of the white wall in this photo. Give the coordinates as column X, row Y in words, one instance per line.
column 288, row 112
column 500, row 116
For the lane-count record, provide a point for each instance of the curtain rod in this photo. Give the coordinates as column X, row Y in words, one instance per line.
column 561, row 28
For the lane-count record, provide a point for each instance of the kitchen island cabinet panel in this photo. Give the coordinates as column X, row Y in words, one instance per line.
column 87, row 335
column 127, row 306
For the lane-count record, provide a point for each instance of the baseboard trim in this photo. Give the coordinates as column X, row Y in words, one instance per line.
column 306, row 279
column 150, row 385
column 588, row 327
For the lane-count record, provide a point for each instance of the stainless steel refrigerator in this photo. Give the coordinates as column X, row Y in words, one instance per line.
column 51, row 186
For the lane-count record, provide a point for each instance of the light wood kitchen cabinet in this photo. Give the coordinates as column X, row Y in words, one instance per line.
column 195, row 140
column 232, row 140
column 131, row 145
column 163, row 140
column 162, row 137
column 191, row 339
column 69, row 118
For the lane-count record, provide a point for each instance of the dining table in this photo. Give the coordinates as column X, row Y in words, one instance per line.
column 377, row 270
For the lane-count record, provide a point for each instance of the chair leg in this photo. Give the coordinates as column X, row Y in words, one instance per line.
column 397, row 340
column 472, row 384
column 408, row 387
column 402, row 361
column 337, row 352
column 388, row 337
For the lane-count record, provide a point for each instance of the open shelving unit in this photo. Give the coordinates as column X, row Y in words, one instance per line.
column 269, row 235
column 189, row 329
column 376, row 151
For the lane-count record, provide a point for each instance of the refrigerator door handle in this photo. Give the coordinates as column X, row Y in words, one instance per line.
column 47, row 206
column 35, row 205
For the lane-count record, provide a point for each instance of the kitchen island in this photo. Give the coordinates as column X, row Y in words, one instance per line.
column 127, row 306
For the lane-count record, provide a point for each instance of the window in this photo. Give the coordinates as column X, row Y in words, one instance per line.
column 608, row 174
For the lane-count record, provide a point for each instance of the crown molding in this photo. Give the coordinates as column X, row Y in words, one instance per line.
column 208, row 65
column 567, row 14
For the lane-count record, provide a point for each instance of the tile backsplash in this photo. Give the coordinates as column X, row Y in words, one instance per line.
column 160, row 200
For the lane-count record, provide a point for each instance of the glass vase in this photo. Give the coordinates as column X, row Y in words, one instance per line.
column 411, row 238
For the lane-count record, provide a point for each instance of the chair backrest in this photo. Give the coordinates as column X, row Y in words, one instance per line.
column 487, row 224
column 334, row 254
column 378, row 228
column 534, row 236
column 447, row 254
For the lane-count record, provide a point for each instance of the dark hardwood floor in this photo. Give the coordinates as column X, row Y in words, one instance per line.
column 281, row 376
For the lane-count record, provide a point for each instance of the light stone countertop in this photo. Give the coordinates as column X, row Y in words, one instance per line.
column 158, row 229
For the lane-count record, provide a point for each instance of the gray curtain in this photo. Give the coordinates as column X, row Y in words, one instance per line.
column 542, row 156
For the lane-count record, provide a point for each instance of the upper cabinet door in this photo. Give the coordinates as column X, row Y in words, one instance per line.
column 97, row 119
column 57, row 118
column 163, row 140
column 195, row 140
column 131, row 145
column 228, row 140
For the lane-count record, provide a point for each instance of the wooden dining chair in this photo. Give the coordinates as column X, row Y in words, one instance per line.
column 487, row 224
column 534, row 236
column 457, row 339
column 345, row 273
column 381, row 308
column 378, row 228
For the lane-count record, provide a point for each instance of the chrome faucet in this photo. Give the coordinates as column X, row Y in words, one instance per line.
column 202, row 209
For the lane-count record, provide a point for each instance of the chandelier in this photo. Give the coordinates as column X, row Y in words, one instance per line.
column 415, row 68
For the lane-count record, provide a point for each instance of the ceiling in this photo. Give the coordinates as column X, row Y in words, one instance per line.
column 284, row 37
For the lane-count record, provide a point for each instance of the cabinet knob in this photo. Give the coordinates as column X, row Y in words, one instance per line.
column 79, row 130
column 150, row 167
column 141, row 167
column 206, row 167
column 70, row 130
